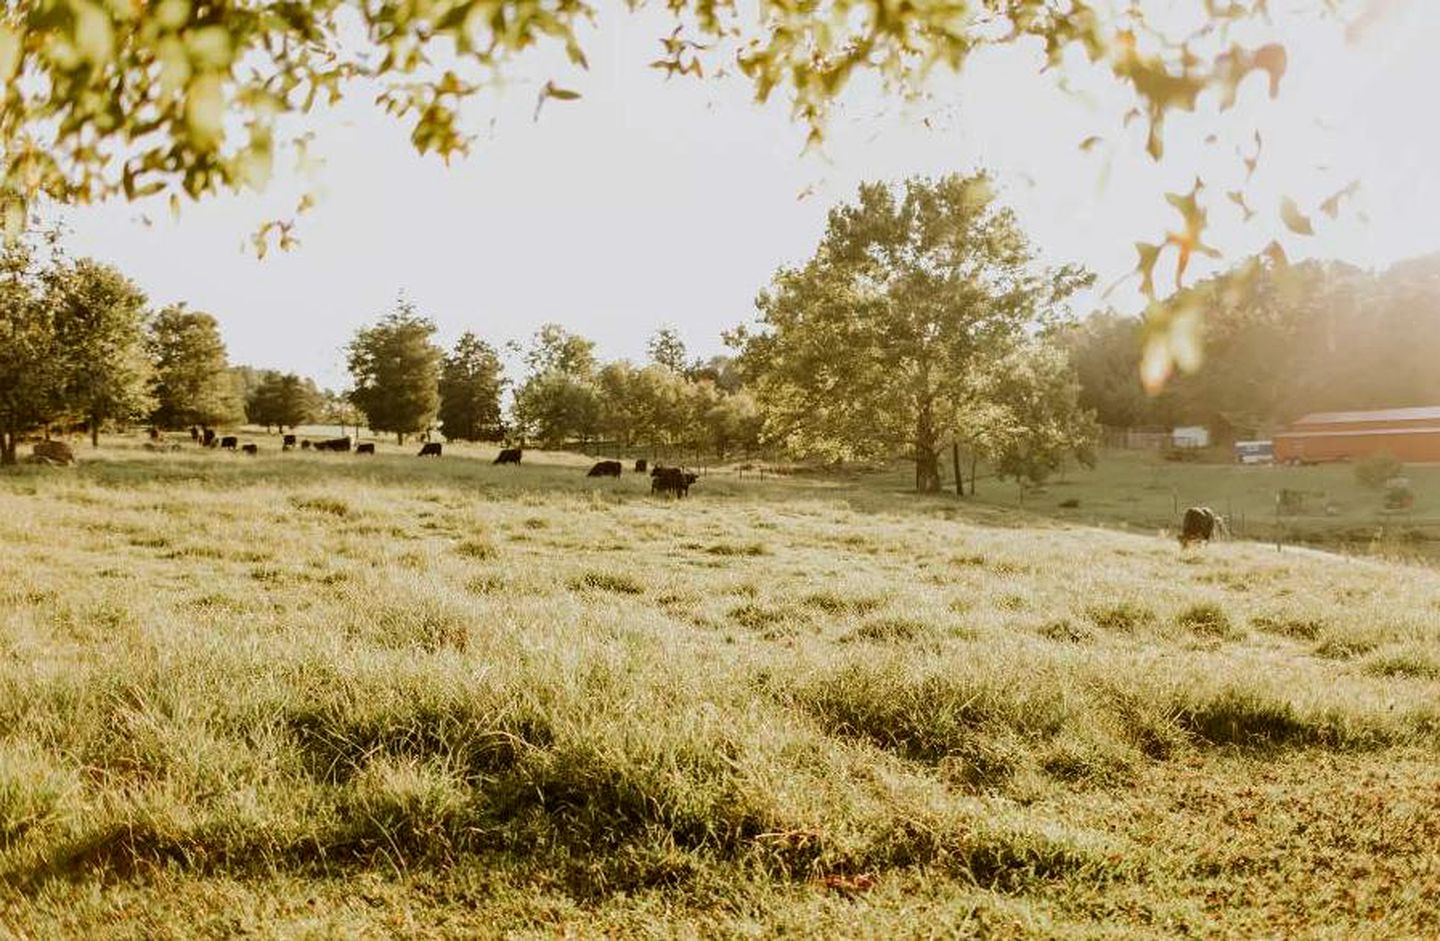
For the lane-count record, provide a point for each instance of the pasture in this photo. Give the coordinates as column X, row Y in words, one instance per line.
column 1139, row 490
column 327, row 695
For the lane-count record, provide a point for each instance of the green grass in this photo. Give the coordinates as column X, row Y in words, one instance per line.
column 322, row 695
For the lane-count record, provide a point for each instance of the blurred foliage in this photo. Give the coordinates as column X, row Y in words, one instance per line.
column 1281, row 340
column 107, row 97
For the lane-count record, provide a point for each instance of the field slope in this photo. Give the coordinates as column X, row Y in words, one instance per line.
column 319, row 695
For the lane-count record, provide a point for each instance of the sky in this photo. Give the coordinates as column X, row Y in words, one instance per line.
column 649, row 202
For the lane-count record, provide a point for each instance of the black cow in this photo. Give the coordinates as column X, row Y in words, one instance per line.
column 429, row 449
column 366, row 448
column 195, row 433
column 305, row 445
column 229, row 443
column 207, row 437
column 508, row 456
column 641, row 466
column 287, row 442
column 606, row 469
column 251, row 449
column 334, row 444
column 1200, row 524
column 154, row 434
column 671, row 480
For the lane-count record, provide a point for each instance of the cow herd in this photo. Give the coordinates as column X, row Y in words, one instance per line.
column 670, row 481
column 665, row 481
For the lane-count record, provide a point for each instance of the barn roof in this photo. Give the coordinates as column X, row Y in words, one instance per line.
column 1419, row 413
column 1362, row 433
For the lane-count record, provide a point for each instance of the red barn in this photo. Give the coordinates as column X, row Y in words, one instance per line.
column 1411, row 434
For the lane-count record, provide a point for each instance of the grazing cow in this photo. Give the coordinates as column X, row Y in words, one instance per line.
column 671, row 480
column 1200, row 524
column 154, row 433
column 366, row 448
column 333, row 444
column 606, row 469
column 305, row 445
column 195, row 433
column 229, row 443
column 287, row 442
column 207, row 437
column 508, row 456
column 251, row 449
column 642, row 466
column 429, row 449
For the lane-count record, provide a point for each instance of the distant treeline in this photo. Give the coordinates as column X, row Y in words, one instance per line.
column 1278, row 341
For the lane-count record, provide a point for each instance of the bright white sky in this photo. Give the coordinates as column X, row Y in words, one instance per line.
column 647, row 202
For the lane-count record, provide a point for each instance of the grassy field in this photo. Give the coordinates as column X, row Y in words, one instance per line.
column 1140, row 491
column 323, row 695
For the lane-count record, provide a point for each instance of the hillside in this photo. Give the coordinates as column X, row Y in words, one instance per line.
column 315, row 694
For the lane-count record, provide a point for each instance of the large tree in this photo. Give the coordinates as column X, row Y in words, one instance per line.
column 865, row 350
column 558, row 400
column 192, row 383
column 396, row 368
column 284, row 400
column 30, row 373
column 100, row 322
column 471, row 380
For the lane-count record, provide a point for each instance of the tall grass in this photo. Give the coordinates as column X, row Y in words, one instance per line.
column 505, row 699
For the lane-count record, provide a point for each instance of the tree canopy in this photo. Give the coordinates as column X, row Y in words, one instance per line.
column 471, row 380
column 396, row 369
column 284, row 400
column 192, row 382
column 867, row 348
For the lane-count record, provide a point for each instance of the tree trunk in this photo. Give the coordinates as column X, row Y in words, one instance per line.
column 955, row 459
column 399, row 438
column 974, row 465
column 94, row 431
column 927, row 453
column 7, row 448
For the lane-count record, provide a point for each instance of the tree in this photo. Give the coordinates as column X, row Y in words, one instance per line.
column 555, row 349
column 667, row 349
column 192, row 382
column 470, row 384
column 169, row 86
column 285, row 401
column 396, row 368
column 30, row 374
column 559, row 400
column 100, row 321
column 1027, row 418
column 1104, row 349
column 555, row 407
column 865, row 350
